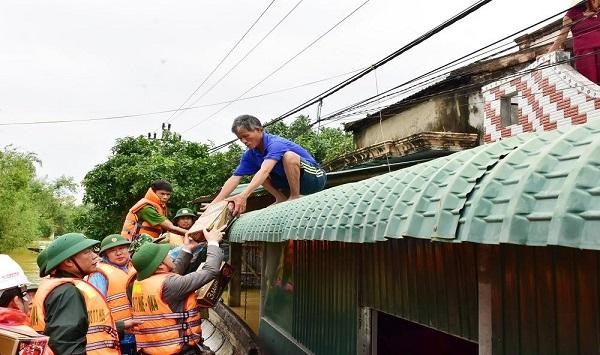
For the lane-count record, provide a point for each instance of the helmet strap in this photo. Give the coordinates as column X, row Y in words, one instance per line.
column 78, row 267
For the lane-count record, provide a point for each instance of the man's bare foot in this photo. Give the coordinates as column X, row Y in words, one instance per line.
column 294, row 197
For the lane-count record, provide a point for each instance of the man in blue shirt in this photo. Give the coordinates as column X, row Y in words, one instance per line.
column 278, row 164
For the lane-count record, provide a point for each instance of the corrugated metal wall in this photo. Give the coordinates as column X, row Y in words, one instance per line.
column 434, row 284
column 326, row 296
column 546, row 301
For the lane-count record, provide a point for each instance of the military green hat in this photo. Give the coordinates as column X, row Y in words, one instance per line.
column 41, row 261
column 66, row 246
column 185, row 212
column 33, row 286
column 137, row 243
column 111, row 241
column 147, row 259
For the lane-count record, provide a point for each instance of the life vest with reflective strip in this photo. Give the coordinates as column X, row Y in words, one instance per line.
column 163, row 331
column 102, row 337
column 132, row 228
column 116, row 294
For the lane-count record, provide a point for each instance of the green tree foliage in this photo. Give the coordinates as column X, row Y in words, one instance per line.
column 30, row 208
column 112, row 187
column 325, row 144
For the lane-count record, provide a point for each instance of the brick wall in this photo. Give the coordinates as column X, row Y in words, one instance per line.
column 550, row 94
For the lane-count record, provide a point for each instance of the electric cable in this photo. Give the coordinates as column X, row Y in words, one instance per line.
column 285, row 63
column 105, row 118
column 460, row 60
column 472, row 8
column 386, row 95
column 223, row 59
column 247, row 54
column 406, row 103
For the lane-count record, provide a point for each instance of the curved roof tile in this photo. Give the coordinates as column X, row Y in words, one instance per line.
column 532, row 189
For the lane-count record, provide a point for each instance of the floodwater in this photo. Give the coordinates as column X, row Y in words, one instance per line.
column 27, row 259
column 249, row 310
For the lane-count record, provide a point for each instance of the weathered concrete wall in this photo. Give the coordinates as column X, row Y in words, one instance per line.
column 460, row 113
column 400, row 125
column 550, row 95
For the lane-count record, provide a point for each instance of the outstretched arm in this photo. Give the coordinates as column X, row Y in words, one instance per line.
column 257, row 180
column 562, row 37
column 227, row 188
column 168, row 225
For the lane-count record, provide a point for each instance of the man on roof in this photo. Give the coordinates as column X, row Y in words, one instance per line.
column 149, row 215
column 279, row 165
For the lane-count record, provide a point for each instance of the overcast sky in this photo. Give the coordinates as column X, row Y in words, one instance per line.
column 77, row 60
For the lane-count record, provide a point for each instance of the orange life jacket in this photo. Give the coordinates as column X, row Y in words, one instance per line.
column 132, row 228
column 163, row 331
column 116, row 294
column 102, row 337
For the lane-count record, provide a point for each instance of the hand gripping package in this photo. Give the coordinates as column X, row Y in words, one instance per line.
column 209, row 294
column 216, row 215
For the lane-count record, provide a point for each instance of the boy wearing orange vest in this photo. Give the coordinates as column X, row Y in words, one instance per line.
column 149, row 215
column 114, row 274
column 165, row 301
column 68, row 309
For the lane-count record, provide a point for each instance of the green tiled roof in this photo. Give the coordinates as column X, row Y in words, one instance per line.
column 532, row 189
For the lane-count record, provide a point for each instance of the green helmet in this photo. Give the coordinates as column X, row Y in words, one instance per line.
column 65, row 246
column 137, row 243
column 41, row 261
column 147, row 259
column 111, row 241
column 185, row 212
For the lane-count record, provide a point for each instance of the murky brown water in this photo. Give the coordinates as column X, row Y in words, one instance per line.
column 27, row 259
column 249, row 309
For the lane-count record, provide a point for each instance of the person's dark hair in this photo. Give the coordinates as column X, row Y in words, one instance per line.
column 161, row 185
column 8, row 294
column 247, row 122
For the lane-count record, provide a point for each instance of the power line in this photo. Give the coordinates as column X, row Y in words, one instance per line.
column 107, row 118
column 247, row 54
column 387, row 95
column 359, row 75
column 285, row 63
column 406, row 103
column 450, row 64
column 223, row 59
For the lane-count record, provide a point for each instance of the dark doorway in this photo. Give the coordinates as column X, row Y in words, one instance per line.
column 398, row 336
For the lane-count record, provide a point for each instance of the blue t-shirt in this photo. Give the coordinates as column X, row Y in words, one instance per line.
column 275, row 148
